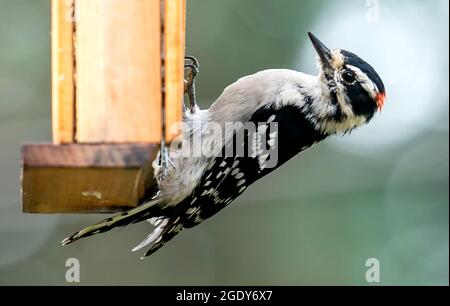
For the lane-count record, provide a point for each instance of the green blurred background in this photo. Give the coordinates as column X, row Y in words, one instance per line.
column 381, row 192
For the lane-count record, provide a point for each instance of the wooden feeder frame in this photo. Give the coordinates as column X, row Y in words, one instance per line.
column 117, row 87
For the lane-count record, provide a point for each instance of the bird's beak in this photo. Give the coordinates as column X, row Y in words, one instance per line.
column 325, row 55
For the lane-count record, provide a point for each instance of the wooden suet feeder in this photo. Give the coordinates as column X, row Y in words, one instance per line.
column 117, row 82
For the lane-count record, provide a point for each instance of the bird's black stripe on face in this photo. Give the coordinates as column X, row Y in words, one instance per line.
column 361, row 102
column 354, row 60
column 337, row 115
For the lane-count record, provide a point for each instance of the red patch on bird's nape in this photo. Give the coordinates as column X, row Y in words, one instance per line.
column 381, row 98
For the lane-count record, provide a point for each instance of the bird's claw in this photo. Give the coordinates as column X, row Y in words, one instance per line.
column 193, row 61
column 192, row 64
column 164, row 161
column 189, row 85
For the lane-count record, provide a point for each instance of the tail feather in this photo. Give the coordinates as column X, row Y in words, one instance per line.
column 167, row 227
column 135, row 215
column 160, row 224
column 170, row 229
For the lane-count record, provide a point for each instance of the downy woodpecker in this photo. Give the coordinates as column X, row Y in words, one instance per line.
column 296, row 110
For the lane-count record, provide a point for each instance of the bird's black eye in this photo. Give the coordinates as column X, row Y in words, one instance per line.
column 348, row 77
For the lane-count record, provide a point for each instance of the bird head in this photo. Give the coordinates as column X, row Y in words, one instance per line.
column 354, row 87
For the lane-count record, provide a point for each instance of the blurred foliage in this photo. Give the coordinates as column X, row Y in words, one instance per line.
column 381, row 192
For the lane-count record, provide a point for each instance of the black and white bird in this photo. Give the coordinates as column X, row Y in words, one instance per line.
column 291, row 111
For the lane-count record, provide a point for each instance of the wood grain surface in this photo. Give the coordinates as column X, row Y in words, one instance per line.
column 174, row 46
column 85, row 178
column 118, row 68
column 63, row 61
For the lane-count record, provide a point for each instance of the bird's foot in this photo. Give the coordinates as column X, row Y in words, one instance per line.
column 192, row 64
column 164, row 161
